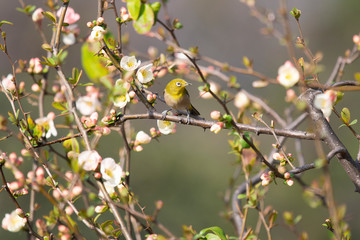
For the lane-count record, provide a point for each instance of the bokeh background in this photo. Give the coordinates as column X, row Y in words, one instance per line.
column 190, row 170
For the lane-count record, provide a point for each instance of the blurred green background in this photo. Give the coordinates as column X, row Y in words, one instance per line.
column 190, row 170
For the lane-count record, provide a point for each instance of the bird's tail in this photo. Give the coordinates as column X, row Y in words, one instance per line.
column 193, row 111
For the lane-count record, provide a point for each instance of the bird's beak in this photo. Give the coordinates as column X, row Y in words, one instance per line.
column 187, row 84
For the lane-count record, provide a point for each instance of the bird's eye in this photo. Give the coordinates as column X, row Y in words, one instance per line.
column 178, row 84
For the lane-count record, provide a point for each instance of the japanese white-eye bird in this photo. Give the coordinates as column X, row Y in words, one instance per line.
column 177, row 97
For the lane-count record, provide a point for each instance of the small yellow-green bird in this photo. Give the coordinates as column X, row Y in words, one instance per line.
column 177, row 97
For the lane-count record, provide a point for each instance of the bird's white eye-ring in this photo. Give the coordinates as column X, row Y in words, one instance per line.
column 178, row 84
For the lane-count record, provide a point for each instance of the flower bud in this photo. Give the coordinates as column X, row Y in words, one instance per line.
column 215, row 115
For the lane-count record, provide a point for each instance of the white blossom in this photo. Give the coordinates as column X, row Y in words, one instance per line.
column 129, row 63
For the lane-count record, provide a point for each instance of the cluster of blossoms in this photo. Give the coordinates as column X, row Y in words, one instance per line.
column 71, row 31
column 110, row 171
column 35, row 66
column 71, row 17
column 266, row 178
column 283, row 159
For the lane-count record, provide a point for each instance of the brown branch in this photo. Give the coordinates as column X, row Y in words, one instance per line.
column 207, row 124
column 325, row 131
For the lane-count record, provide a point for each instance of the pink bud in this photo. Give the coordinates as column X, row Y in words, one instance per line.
column 24, row 152
column 14, row 185
column 12, row 157
column 105, row 131
column 100, row 208
column 149, row 97
column 37, row 15
column 35, row 87
column 19, row 176
column 356, row 39
column 89, row 24
column 152, row 131
column 69, row 210
column 132, row 94
column 138, row 148
column 56, row 194
column 63, row 228
column 20, row 212
column 40, row 172
column 100, row 20
column 94, row 117
column 69, row 175
column 97, row 175
column 215, row 115
column 290, row 182
column 287, row 175
column 55, row 88
column 278, row 156
column 76, row 190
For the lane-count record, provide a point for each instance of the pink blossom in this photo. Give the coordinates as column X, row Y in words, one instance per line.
column 13, row 222
column 70, row 16
column 8, row 83
column 215, row 128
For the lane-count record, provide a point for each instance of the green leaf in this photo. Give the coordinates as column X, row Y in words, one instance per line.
column 59, row 106
column 61, row 56
column 93, row 65
column 353, row 122
column 241, row 196
column 296, row 13
column 297, row 219
column 133, row 7
column 156, row 8
column 50, row 16
column 12, row 118
column 243, row 143
column 345, row 115
column 90, row 211
column 146, row 19
column 46, row 47
column 247, row 62
column 27, row 10
column 217, row 233
column 2, row 22
column 75, row 76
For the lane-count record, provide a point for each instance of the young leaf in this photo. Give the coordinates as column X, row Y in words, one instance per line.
column 146, row 19
column 2, row 22
column 133, row 7
column 93, row 65
column 50, row 16
column 345, row 115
